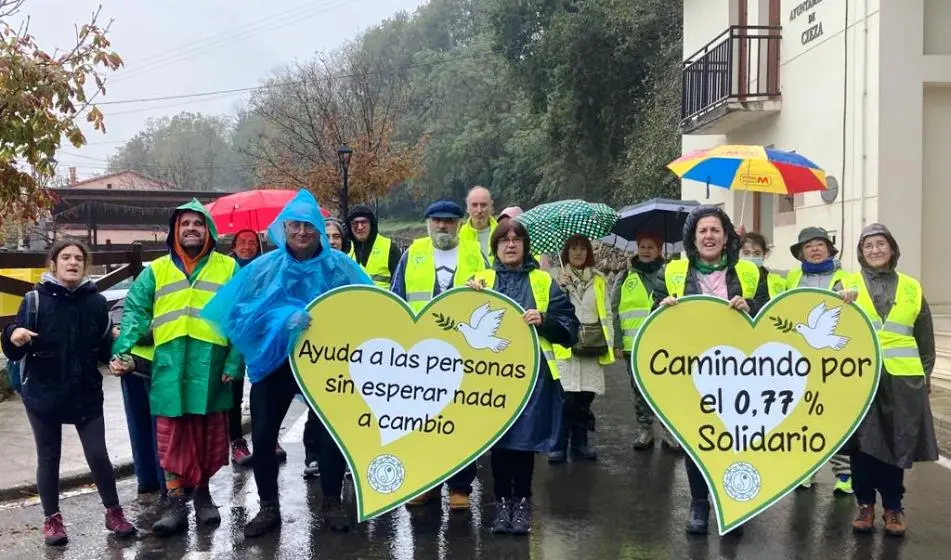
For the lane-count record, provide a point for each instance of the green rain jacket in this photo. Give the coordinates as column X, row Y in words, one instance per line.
column 186, row 373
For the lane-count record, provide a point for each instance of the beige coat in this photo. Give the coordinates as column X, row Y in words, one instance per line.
column 584, row 373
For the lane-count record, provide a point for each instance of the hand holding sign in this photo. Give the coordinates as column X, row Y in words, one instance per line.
column 412, row 400
column 769, row 400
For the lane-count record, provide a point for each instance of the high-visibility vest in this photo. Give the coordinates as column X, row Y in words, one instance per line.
column 469, row 233
column 675, row 277
column 146, row 352
column 634, row 307
column 378, row 263
column 564, row 353
column 896, row 333
column 178, row 303
column 420, row 269
column 795, row 277
column 776, row 284
column 540, row 283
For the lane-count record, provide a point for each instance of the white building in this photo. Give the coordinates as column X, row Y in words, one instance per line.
column 862, row 88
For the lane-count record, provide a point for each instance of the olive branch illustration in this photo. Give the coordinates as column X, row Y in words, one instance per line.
column 444, row 322
column 783, row 325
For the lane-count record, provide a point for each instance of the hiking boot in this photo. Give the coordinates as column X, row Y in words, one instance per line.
column 54, row 530
column 206, row 512
column 267, row 519
column 698, row 520
column 895, row 523
column 557, row 457
column 864, row 521
column 522, row 517
column 458, row 501
column 502, row 524
column 643, row 438
column 240, row 454
column 668, row 441
column 580, row 448
column 117, row 523
column 312, row 470
column 175, row 518
column 335, row 516
column 423, row 498
column 280, row 454
column 843, row 485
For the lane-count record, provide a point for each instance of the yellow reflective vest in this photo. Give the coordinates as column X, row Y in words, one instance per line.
column 419, row 272
column 896, row 332
column 143, row 351
column 469, row 233
column 178, row 303
column 378, row 263
column 600, row 298
column 776, row 284
column 540, row 283
column 675, row 277
column 795, row 276
column 634, row 307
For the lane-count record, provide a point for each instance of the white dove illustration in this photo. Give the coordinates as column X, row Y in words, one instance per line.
column 820, row 332
column 480, row 332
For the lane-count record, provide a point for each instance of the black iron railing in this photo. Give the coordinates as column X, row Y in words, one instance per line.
column 741, row 64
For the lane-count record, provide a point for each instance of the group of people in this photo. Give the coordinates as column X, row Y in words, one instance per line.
column 197, row 321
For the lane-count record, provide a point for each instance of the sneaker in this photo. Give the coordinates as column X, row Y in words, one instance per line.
column 312, row 470
column 458, row 501
column 864, row 521
column 522, row 517
column 117, row 523
column 557, row 457
column 267, row 519
column 644, row 438
column 280, row 454
column 54, row 530
column 503, row 518
column 843, row 485
column 894, row 523
column 334, row 515
column 240, row 454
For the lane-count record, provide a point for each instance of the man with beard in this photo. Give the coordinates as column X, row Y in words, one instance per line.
column 377, row 254
column 193, row 364
column 429, row 267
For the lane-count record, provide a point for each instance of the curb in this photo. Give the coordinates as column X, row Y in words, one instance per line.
column 71, row 481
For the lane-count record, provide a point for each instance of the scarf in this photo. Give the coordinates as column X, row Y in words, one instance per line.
column 704, row 268
column 190, row 263
column 647, row 267
column 823, row 267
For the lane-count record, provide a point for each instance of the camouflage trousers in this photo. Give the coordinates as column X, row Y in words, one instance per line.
column 642, row 410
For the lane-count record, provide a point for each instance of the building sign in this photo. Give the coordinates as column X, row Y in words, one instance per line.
column 810, row 23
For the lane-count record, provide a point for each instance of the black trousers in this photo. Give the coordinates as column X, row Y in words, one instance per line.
column 48, row 435
column 314, row 432
column 698, row 486
column 869, row 474
column 512, row 471
column 270, row 399
column 234, row 415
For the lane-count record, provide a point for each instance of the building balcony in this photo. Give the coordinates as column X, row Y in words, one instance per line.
column 732, row 81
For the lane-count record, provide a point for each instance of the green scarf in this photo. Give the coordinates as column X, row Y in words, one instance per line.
column 704, row 268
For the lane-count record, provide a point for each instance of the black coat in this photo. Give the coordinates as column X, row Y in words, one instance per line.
column 61, row 378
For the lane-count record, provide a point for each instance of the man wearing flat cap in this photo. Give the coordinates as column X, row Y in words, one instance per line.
column 432, row 265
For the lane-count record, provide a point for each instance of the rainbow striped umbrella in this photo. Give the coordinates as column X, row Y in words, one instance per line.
column 751, row 168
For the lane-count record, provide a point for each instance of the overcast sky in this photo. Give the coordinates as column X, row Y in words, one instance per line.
column 176, row 47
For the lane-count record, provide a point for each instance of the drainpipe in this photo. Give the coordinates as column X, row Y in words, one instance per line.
column 864, row 155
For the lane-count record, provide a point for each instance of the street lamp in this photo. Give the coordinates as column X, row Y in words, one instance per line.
column 344, row 153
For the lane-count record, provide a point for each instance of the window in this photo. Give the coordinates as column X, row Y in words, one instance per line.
column 108, row 185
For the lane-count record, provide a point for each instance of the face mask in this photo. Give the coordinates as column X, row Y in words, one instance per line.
column 758, row 261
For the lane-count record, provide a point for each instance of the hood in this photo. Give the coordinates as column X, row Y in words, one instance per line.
column 732, row 248
column 52, row 285
column 192, row 206
column 363, row 211
column 302, row 208
column 344, row 231
column 878, row 229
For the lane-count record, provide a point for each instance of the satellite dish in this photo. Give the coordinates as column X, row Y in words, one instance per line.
column 832, row 191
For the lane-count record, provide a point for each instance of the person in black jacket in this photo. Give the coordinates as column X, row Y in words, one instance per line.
column 64, row 332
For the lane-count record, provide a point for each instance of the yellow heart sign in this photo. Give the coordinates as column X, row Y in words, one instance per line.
column 413, row 399
column 759, row 404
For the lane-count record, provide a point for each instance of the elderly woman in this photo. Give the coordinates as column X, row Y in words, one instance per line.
column 515, row 274
column 712, row 268
column 898, row 429
column 582, row 366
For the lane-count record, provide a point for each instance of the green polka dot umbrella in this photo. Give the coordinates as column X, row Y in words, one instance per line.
column 550, row 225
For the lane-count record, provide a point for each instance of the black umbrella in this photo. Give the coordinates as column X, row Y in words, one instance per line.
column 662, row 216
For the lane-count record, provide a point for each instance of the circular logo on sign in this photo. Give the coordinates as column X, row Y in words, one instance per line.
column 741, row 482
column 386, row 474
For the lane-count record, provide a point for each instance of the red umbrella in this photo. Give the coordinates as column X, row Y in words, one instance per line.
column 253, row 210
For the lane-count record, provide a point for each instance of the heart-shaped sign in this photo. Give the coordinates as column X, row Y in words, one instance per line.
column 759, row 404
column 413, row 399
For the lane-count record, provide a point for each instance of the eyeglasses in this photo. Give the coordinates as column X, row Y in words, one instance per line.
column 295, row 226
column 360, row 222
column 511, row 241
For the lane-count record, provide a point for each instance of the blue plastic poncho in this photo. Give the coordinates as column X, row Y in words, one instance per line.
column 262, row 310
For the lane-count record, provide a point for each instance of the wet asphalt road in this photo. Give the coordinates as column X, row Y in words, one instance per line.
column 628, row 506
